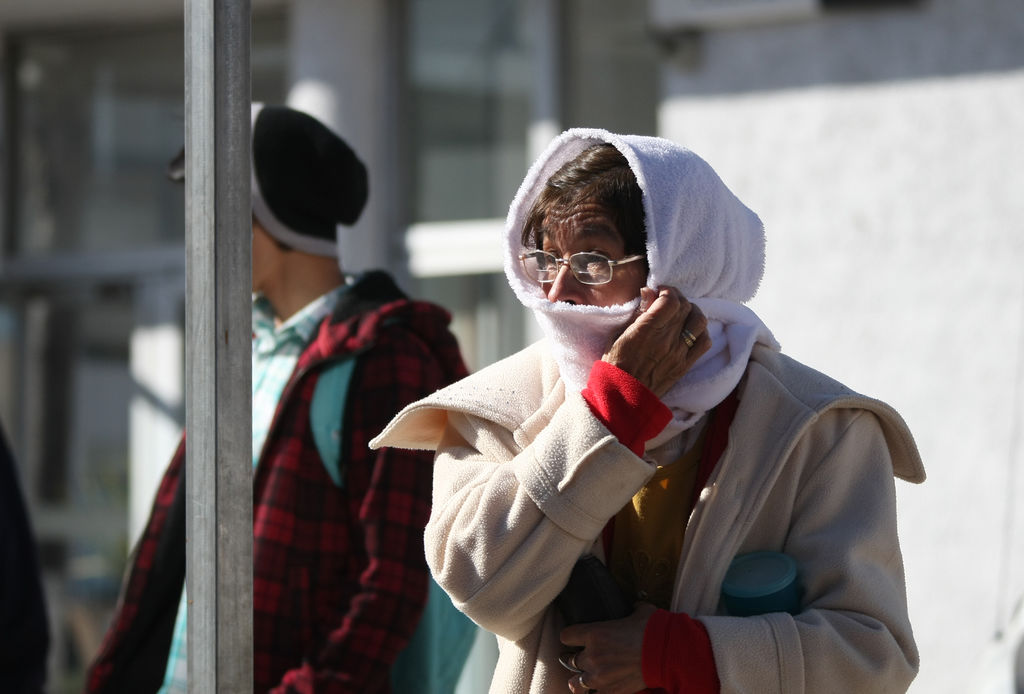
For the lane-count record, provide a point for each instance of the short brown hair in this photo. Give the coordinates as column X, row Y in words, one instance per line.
column 598, row 174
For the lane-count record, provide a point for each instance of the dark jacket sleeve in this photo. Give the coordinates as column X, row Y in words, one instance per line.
column 24, row 631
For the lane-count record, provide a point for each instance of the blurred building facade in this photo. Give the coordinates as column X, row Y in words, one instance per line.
column 881, row 142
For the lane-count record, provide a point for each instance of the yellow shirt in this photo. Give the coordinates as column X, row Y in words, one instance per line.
column 649, row 531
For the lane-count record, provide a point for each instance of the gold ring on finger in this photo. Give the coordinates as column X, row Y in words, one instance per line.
column 688, row 338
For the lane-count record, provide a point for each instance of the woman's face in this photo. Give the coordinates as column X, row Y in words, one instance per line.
column 588, row 229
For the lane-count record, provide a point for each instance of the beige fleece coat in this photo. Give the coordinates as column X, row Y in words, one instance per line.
column 526, row 478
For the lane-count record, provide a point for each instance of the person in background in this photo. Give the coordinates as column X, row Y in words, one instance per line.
column 659, row 428
column 24, row 629
column 340, row 579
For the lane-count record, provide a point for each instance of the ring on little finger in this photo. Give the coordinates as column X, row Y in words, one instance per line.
column 568, row 661
column 689, row 338
column 585, row 685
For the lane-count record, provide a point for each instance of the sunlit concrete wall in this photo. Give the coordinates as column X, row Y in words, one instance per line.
column 884, row 153
column 345, row 68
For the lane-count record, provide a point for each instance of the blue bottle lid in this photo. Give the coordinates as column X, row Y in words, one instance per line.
column 759, row 574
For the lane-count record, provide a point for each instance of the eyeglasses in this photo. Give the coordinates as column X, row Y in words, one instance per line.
column 587, row 268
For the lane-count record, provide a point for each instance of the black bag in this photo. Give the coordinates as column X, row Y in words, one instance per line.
column 592, row 595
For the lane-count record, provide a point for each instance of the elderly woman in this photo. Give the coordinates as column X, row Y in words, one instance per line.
column 659, row 428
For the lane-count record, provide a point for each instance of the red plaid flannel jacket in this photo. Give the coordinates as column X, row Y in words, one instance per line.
column 340, row 577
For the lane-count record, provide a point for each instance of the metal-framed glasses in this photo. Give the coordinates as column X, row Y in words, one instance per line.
column 587, row 268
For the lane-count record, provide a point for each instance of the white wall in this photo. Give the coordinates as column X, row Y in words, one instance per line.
column 895, row 224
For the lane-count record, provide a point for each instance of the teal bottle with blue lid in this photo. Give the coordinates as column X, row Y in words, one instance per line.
column 761, row 582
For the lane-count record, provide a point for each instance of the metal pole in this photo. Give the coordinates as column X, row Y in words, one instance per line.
column 218, row 346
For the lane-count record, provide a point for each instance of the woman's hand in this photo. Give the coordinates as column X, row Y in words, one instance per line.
column 654, row 348
column 611, row 655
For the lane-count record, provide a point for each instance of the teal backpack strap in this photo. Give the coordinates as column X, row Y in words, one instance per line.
column 327, row 416
column 432, row 661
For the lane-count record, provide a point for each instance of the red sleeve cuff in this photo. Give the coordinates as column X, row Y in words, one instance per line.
column 677, row 655
column 625, row 405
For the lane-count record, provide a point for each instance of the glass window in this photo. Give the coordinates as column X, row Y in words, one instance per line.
column 469, row 72
column 72, row 424
column 8, row 360
column 612, row 67
column 97, row 116
column 487, row 319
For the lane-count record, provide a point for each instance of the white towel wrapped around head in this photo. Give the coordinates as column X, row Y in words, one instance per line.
column 700, row 239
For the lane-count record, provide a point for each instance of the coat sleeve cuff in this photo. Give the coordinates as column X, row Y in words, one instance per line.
column 677, row 655
column 625, row 406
